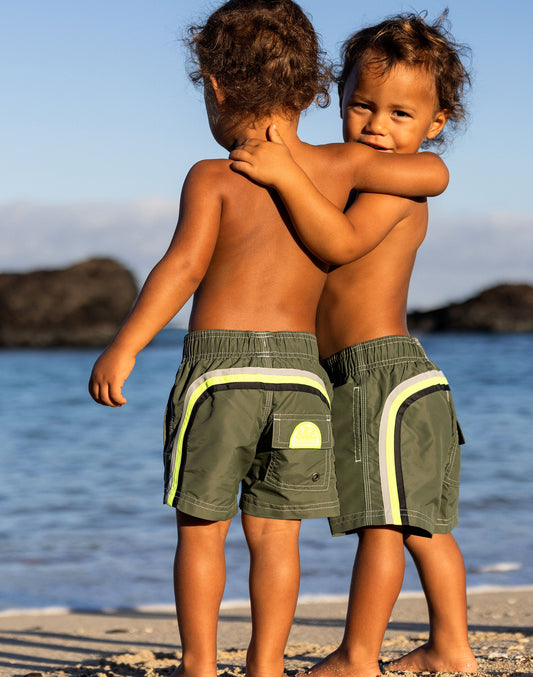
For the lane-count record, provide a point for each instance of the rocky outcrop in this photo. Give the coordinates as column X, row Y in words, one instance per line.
column 504, row 308
column 82, row 305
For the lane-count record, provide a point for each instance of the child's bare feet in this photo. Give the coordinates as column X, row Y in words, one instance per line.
column 338, row 664
column 180, row 672
column 426, row 659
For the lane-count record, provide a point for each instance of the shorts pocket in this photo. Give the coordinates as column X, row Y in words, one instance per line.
column 349, row 423
column 357, row 420
column 452, row 470
column 302, row 452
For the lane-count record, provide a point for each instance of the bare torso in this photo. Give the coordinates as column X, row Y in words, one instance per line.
column 235, row 250
column 260, row 277
column 367, row 299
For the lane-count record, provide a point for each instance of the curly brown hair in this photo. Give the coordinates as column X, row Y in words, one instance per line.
column 265, row 57
column 410, row 40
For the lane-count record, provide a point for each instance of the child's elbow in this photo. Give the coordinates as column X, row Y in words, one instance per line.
column 445, row 179
column 442, row 177
column 340, row 256
column 343, row 258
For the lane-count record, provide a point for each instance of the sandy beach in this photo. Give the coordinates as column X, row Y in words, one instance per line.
column 145, row 643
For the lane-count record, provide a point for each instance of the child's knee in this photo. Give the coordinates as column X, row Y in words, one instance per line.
column 262, row 527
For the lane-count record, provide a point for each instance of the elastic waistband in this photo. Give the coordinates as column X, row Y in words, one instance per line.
column 206, row 343
column 380, row 351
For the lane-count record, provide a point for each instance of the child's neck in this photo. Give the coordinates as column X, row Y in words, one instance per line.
column 288, row 128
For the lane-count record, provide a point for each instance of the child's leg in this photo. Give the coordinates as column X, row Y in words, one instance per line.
column 442, row 574
column 376, row 582
column 199, row 579
column 274, row 585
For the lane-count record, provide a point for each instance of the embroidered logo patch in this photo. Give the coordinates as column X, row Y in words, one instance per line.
column 306, row 435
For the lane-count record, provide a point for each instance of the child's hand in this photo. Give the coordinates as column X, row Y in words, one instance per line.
column 109, row 373
column 267, row 162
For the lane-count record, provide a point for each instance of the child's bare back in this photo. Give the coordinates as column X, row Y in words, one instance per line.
column 260, row 278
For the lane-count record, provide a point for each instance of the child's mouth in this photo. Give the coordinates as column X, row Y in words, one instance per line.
column 376, row 146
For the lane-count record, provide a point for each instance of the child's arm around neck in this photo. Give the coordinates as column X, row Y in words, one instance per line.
column 328, row 233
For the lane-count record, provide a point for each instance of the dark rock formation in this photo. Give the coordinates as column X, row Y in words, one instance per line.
column 79, row 306
column 504, row 308
column 84, row 305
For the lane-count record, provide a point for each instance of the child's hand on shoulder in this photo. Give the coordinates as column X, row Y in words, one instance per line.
column 269, row 163
column 109, row 373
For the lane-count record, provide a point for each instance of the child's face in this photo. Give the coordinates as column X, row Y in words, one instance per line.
column 393, row 112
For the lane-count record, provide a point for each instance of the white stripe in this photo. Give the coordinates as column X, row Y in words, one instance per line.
column 383, row 428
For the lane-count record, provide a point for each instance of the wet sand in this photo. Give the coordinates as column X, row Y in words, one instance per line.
column 145, row 643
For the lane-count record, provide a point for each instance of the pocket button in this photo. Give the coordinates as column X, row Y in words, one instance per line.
column 315, row 477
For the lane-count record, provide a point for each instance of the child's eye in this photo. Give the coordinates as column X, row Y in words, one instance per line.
column 360, row 105
column 401, row 114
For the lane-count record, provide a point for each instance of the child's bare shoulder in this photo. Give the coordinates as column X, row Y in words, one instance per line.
column 215, row 170
column 206, row 170
column 211, row 178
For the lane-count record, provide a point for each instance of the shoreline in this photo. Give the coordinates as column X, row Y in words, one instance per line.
column 237, row 603
column 145, row 643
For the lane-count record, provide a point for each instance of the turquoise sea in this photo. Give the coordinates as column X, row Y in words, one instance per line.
column 82, row 523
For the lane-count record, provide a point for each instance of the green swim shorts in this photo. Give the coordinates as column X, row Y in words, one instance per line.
column 250, row 410
column 397, row 452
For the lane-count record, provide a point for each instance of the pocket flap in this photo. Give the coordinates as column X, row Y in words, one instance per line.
column 298, row 431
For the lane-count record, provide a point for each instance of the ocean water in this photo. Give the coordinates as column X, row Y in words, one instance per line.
column 82, row 523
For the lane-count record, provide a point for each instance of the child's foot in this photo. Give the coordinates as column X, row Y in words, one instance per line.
column 180, row 672
column 262, row 669
column 337, row 664
column 426, row 659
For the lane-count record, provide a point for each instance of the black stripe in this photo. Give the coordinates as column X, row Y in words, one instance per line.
column 259, row 385
column 397, row 444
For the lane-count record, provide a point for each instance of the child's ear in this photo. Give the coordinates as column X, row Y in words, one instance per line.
column 438, row 124
column 219, row 94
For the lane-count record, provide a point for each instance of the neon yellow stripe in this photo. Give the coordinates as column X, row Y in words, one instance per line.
column 391, row 424
column 217, row 380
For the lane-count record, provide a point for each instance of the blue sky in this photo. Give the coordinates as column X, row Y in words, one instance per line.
column 100, row 125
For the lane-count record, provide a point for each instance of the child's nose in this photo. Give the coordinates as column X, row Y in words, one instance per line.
column 375, row 124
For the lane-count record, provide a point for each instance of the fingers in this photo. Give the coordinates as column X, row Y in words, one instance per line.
column 249, row 144
column 241, row 167
column 259, row 159
column 115, row 396
column 241, row 154
column 242, row 161
column 106, row 394
column 94, row 389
